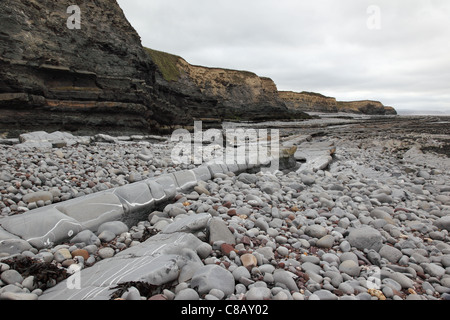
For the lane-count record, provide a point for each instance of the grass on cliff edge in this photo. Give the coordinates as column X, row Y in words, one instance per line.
column 167, row 64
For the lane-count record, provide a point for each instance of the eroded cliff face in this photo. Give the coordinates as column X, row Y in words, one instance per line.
column 225, row 94
column 315, row 102
column 98, row 77
column 365, row 107
column 309, row 101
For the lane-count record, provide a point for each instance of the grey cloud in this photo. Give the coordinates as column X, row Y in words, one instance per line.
column 323, row 46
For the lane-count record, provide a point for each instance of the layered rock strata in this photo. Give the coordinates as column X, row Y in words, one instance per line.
column 316, row 102
column 96, row 78
column 224, row 94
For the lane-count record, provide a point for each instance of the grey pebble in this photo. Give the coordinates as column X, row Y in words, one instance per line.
column 11, row 277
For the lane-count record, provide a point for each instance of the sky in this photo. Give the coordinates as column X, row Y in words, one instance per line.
column 393, row 51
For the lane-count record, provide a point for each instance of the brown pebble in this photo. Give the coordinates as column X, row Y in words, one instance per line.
column 80, row 253
column 245, row 240
column 67, row 263
column 226, row 249
column 249, row 261
column 227, row 204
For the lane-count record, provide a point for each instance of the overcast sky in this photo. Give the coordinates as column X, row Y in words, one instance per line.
column 394, row 51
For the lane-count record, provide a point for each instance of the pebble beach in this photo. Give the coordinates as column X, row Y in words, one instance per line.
column 372, row 224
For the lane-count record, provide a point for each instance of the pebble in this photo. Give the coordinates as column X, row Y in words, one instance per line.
column 249, row 261
column 80, row 253
column 350, row 268
column 62, row 254
column 213, row 277
column 11, row 277
column 325, row 242
column 390, row 253
column 258, row 293
column 106, row 253
column 285, row 278
column 365, row 238
column 316, row 231
column 187, row 294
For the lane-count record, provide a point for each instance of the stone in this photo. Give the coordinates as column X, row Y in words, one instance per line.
column 316, row 231
column 241, row 271
column 348, row 256
column 132, row 294
column 87, row 237
column 136, row 199
column 37, row 196
column 193, row 263
column 226, row 249
column 433, row 270
column 380, row 214
column 350, row 267
column 19, row 296
column 190, row 223
column 283, row 251
column 266, row 252
column 106, row 236
column 323, row 295
column 80, row 253
column 398, row 277
column 219, row 231
column 202, row 173
column 365, row 238
column 249, row 261
column 106, row 253
column 258, row 293
column 202, row 190
column 158, row 261
column 62, row 254
column 325, row 242
column 187, row 294
column 92, row 211
column 43, row 227
column 308, row 179
column 443, row 223
column 217, row 293
column 116, row 227
column 186, row 180
column 157, row 191
column 390, row 253
column 383, row 198
column 213, row 277
column 14, row 246
column 248, row 178
column 285, row 278
column 204, row 250
column 11, row 277
column 29, row 283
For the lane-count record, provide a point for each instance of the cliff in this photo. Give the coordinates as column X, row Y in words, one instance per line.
column 98, row 77
column 309, row 101
column 225, row 94
column 365, row 107
column 315, row 102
